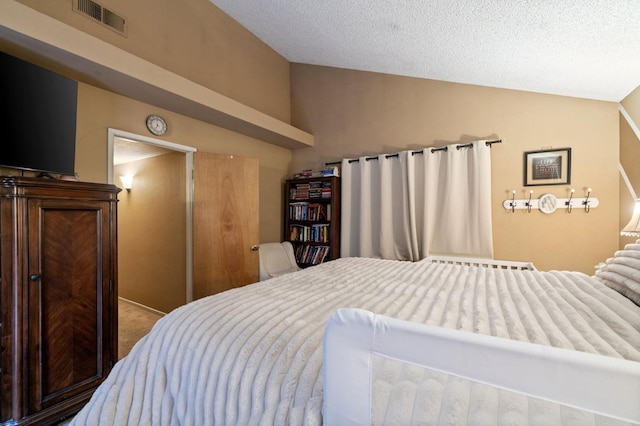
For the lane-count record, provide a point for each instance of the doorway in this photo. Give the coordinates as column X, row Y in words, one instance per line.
column 155, row 219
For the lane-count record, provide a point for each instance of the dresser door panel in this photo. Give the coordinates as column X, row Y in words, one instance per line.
column 68, row 288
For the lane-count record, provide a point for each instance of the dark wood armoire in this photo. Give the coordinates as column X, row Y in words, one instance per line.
column 58, row 295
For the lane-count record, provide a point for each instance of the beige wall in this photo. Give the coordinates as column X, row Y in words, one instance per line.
column 631, row 104
column 353, row 113
column 195, row 39
column 629, row 159
column 99, row 110
column 152, row 233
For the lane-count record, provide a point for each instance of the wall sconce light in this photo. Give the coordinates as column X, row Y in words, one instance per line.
column 126, row 182
column 633, row 227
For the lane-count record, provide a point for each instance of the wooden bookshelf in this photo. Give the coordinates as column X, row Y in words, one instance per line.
column 312, row 219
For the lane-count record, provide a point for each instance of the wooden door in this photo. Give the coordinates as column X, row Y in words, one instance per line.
column 225, row 223
column 69, row 280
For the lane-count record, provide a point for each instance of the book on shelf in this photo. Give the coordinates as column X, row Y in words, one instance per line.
column 309, row 224
column 317, row 212
column 298, row 233
column 299, row 192
column 327, row 171
column 326, row 190
column 303, row 174
column 311, row 255
column 320, row 233
column 314, row 233
column 299, row 210
column 313, row 189
column 313, row 212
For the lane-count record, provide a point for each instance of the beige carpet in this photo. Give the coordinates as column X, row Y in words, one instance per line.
column 133, row 323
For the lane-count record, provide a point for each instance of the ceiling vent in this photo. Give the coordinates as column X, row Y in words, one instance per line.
column 106, row 17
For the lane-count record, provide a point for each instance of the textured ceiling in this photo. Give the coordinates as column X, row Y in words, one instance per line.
column 582, row 48
column 126, row 151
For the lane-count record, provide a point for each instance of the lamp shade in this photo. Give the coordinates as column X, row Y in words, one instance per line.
column 633, row 227
column 127, row 180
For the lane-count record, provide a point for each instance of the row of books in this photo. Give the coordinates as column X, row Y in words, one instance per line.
column 303, row 191
column 314, row 233
column 311, row 212
column 311, row 255
column 303, row 174
column 329, row 171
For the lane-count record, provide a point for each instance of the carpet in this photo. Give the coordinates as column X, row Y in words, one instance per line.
column 134, row 322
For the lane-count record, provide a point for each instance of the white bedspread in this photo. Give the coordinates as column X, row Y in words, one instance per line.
column 253, row 355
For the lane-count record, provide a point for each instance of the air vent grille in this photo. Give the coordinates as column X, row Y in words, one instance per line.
column 106, row 17
column 113, row 20
column 90, row 8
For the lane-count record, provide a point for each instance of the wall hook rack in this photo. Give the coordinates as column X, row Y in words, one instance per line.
column 548, row 203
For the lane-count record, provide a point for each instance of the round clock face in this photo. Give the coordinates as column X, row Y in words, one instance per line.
column 156, row 125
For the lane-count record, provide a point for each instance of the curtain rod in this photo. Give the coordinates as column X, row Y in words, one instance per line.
column 433, row 150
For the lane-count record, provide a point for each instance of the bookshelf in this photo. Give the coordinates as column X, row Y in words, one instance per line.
column 312, row 219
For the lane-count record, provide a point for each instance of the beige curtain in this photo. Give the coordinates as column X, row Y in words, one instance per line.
column 409, row 205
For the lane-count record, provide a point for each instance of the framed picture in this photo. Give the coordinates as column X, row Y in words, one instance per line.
column 547, row 167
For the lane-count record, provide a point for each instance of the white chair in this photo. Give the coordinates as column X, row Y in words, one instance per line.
column 276, row 259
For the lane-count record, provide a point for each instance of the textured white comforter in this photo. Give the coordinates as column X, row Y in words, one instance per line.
column 253, row 355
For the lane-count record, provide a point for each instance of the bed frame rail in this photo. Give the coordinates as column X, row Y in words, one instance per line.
column 485, row 263
column 594, row 383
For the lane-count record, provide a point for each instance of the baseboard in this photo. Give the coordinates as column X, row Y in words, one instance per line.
column 141, row 306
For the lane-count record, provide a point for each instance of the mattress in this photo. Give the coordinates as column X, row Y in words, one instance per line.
column 253, row 355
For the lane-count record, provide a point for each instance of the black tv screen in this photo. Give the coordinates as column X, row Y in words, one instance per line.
column 37, row 118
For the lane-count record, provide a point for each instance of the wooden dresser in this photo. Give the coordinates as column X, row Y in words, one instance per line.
column 58, row 295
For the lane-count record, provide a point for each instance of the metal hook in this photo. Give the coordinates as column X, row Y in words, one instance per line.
column 585, row 203
column 568, row 202
column 528, row 203
column 513, row 201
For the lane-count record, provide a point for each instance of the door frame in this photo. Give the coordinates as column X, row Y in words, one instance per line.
column 188, row 151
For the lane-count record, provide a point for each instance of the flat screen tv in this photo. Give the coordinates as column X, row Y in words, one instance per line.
column 37, row 118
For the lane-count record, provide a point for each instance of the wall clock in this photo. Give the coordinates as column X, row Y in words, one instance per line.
column 156, row 125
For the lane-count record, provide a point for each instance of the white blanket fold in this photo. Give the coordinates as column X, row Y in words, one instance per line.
column 253, row 355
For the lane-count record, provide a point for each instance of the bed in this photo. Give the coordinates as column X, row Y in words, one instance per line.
column 254, row 355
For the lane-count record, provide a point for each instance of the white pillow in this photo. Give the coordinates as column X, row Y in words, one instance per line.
column 623, row 285
column 622, row 272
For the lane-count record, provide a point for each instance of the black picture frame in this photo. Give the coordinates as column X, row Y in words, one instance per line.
column 547, row 167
